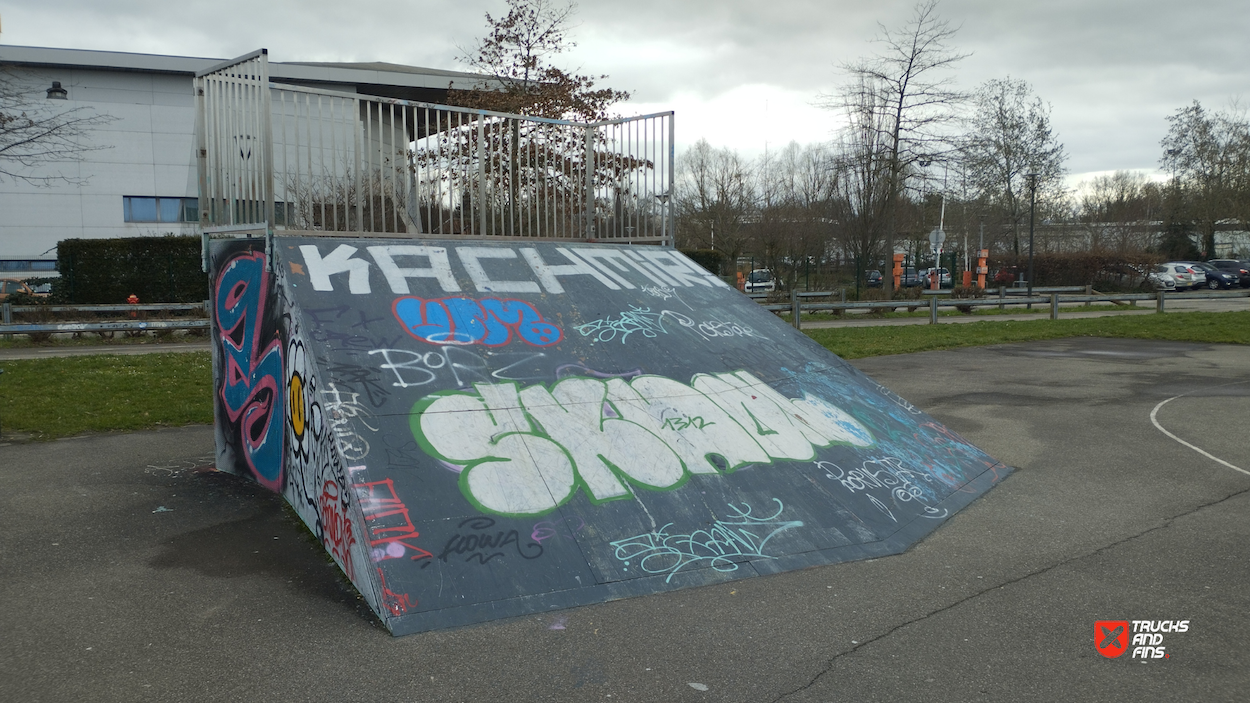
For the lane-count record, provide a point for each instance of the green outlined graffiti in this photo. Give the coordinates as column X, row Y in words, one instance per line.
column 526, row 451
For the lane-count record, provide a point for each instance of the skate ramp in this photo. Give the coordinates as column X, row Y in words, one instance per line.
column 477, row 430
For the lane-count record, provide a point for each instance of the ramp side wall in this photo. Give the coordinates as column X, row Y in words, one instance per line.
column 272, row 423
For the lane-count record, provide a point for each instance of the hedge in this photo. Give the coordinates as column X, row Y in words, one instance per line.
column 1075, row 269
column 108, row 271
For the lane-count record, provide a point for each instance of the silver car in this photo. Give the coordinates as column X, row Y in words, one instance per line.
column 1160, row 278
column 1187, row 278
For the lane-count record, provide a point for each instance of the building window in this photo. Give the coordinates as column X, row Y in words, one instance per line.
column 171, row 210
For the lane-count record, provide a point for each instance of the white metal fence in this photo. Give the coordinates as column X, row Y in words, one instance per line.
column 276, row 156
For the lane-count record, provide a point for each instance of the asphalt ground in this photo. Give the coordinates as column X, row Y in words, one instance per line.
column 134, row 572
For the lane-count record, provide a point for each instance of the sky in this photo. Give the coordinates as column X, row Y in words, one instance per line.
column 1112, row 70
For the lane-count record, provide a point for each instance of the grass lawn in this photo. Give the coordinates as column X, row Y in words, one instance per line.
column 65, row 396
column 60, row 397
column 1210, row 327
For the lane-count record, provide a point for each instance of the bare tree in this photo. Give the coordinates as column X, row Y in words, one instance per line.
column 795, row 224
column 1010, row 136
column 862, row 160
column 1208, row 157
column 36, row 133
column 715, row 197
column 909, row 84
column 1119, row 212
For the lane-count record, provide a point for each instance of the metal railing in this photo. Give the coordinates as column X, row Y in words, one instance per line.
column 796, row 307
column 282, row 156
column 8, row 327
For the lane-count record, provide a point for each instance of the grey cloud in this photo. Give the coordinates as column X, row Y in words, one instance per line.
column 1113, row 69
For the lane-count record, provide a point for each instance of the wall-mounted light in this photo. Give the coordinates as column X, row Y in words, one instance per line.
column 56, row 92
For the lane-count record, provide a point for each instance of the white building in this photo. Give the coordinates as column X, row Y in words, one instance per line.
column 144, row 181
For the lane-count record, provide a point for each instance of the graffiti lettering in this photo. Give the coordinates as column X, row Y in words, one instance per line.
column 898, row 400
column 721, row 547
column 466, row 367
column 661, row 292
column 885, row 475
column 716, row 328
column 604, row 264
column 253, row 374
column 483, row 544
column 336, row 526
column 557, row 528
column 356, row 376
column 636, row 319
column 681, row 423
column 490, row 322
column 525, row 452
column 342, row 408
column 649, row 324
column 392, row 534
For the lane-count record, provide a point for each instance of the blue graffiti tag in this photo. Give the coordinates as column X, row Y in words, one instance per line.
column 490, row 322
column 252, row 383
column 660, row 552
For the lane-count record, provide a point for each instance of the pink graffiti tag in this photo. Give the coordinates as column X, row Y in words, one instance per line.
column 491, row 322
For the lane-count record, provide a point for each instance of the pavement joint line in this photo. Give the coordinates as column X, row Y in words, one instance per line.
column 1167, row 522
column 1154, row 419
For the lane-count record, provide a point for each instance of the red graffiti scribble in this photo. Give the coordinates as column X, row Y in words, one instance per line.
column 392, row 534
column 337, row 527
column 395, row 603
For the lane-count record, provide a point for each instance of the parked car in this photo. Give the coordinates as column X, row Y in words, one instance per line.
column 1241, row 268
column 944, row 273
column 909, row 279
column 759, row 281
column 1215, row 278
column 11, row 286
column 1186, row 278
column 873, row 279
column 1158, row 277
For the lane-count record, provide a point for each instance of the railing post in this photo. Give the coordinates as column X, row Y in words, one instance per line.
column 590, row 183
column 1089, row 291
column 1054, row 306
column 7, row 317
column 795, row 310
column 1159, row 300
column 933, row 310
column 1002, row 293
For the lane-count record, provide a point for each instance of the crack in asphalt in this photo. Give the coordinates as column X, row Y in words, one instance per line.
column 1037, row 572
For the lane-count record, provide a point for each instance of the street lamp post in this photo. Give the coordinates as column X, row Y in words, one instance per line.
column 1032, row 207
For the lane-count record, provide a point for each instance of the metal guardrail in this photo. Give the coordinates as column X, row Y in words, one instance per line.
column 796, row 307
column 126, row 326
column 1004, row 290
column 172, row 307
column 8, row 328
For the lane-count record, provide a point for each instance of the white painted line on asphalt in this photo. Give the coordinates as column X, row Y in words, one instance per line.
column 1154, row 419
